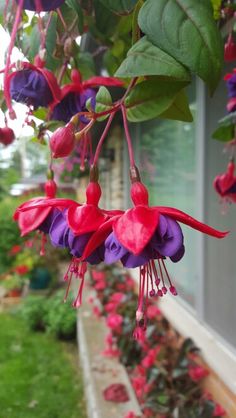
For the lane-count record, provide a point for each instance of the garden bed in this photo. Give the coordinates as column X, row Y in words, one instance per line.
column 165, row 370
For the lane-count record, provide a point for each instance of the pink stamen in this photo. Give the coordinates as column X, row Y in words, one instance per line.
column 75, row 269
column 43, row 243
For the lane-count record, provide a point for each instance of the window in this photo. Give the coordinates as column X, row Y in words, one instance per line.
column 167, row 154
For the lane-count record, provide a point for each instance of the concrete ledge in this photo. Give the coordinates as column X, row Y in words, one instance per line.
column 98, row 371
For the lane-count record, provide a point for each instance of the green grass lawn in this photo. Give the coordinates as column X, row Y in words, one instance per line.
column 38, row 375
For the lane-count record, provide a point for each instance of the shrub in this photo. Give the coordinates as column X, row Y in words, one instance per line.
column 61, row 317
column 50, row 314
column 34, row 311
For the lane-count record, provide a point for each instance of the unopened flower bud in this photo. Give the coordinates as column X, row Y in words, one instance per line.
column 7, row 136
column 230, row 49
column 50, row 189
column 62, row 141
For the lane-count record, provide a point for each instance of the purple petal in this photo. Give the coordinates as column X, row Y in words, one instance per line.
column 169, row 244
column 46, row 5
column 68, row 107
column 178, row 255
column 58, row 230
column 31, row 88
column 114, row 251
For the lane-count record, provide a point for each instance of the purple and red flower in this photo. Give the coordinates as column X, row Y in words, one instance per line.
column 41, row 5
column 225, row 184
column 75, row 95
column 32, row 85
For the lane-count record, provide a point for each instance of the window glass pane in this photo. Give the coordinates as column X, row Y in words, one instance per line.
column 220, row 277
column 168, row 167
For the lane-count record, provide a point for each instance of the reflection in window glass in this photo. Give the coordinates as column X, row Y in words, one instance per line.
column 168, row 167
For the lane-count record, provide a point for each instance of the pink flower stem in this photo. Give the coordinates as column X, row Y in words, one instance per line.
column 104, row 134
column 8, row 61
column 62, row 20
column 128, row 137
column 62, row 71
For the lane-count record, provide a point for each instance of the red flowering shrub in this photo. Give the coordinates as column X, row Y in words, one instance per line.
column 164, row 371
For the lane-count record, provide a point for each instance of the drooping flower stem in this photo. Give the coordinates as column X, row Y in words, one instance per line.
column 102, row 139
column 128, row 137
column 8, row 60
column 62, row 20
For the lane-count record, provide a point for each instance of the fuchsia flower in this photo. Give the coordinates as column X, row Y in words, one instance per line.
column 197, row 373
column 41, row 5
column 15, row 250
column 219, row 411
column 75, row 95
column 35, row 218
column 153, row 312
column 149, row 360
column 230, row 79
column 70, row 226
column 225, row 184
column 141, row 235
column 114, row 321
column 230, row 49
column 22, row 269
column 32, row 85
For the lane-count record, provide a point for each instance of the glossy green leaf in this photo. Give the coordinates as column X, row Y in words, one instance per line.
column 186, row 30
column 51, row 34
column 144, row 58
column 103, row 101
column 121, row 7
column 73, row 4
column 179, row 110
column 151, row 98
column 86, row 65
column 224, row 133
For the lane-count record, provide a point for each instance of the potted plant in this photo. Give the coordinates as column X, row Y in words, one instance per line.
column 13, row 284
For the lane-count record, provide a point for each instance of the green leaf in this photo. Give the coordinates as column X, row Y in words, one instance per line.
column 224, row 133
column 51, row 34
column 73, row 4
column 151, row 98
column 86, row 65
column 103, row 101
column 179, row 110
column 186, row 30
column 120, row 7
column 40, row 113
column 144, row 59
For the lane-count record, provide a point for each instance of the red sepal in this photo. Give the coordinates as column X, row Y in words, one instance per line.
column 102, row 81
column 30, row 221
column 84, row 219
column 135, row 228
column 98, row 237
column 186, row 219
column 45, row 202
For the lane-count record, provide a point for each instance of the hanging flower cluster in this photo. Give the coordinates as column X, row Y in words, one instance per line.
column 141, row 236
